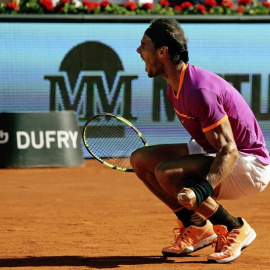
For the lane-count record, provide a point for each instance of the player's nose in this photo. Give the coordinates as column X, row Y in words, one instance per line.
column 139, row 50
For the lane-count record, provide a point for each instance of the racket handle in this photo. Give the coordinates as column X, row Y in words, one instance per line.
column 180, row 196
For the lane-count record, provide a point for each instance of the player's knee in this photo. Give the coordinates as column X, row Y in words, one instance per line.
column 136, row 158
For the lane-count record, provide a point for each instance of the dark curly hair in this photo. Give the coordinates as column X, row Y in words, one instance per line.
column 168, row 32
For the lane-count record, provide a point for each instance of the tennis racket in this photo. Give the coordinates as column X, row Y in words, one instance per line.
column 111, row 139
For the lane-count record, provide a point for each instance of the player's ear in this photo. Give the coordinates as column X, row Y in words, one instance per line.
column 164, row 50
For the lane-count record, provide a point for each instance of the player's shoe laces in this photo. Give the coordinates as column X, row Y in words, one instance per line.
column 190, row 239
column 228, row 245
column 221, row 239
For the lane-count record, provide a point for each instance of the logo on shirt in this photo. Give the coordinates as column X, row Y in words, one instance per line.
column 183, row 115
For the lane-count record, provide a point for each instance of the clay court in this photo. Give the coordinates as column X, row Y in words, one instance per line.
column 93, row 217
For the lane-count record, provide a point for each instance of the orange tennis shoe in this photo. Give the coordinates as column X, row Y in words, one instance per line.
column 230, row 244
column 190, row 239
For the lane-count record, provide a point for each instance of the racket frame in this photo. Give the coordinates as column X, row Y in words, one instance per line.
column 120, row 118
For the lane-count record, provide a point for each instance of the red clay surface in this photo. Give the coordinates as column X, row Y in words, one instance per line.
column 93, row 217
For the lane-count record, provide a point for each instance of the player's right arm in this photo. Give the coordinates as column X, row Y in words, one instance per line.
column 222, row 139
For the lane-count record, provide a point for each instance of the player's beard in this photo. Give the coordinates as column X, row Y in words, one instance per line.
column 150, row 74
column 152, row 70
column 153, row 66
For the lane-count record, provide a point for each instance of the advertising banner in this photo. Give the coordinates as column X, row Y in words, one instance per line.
column 49, row 139
column 94, row 67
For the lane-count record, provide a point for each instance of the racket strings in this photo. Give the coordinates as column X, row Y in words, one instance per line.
column 112, row 140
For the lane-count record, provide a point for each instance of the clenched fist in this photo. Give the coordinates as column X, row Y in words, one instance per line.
column 187, row 198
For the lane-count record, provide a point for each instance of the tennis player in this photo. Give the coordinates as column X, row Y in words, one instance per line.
column 226, row 159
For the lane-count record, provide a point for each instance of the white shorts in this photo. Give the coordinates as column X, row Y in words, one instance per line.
column 248, row 177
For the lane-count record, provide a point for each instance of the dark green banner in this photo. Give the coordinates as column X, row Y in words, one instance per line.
column 40, row 140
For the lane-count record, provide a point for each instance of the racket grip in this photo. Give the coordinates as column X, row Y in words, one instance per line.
column 180, row 196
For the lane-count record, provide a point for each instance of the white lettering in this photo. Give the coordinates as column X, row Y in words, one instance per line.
column 41, row 140
column 62, row 138
column 48, row 138
column 73, row 137
column 20, row 144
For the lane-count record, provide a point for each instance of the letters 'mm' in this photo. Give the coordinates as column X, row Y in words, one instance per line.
column 91, row 93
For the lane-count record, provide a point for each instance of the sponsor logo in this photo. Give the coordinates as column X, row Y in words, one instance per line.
column 3, row 137
column 199, row 237
column 91, row 80
column 247, row 231
column 47, row 139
